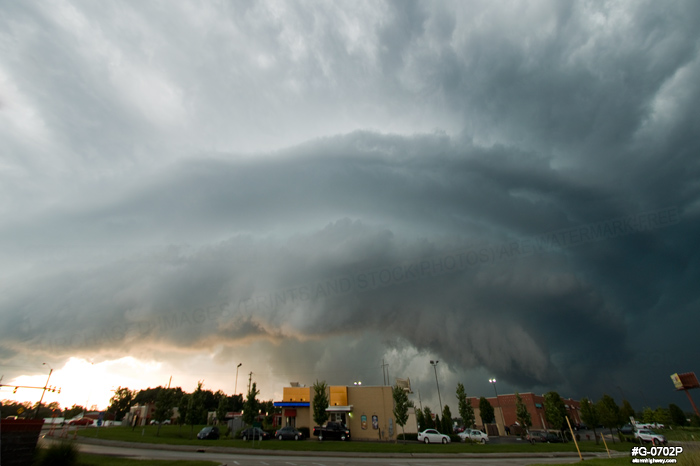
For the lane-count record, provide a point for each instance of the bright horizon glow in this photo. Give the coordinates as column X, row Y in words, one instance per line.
column 83, row 383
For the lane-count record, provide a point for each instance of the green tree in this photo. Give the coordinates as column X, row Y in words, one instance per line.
column 589, row 416
column 236, row 402
column 222, row 409
column 648, row 415
column 268, row 409
column 428, row 418
column 121, row 402
column 400, row 407
column 147, row 395
column 196, row 411
column 72, row 411
column 320, row 402
column 626, row 412
column 420, row 420
column 164, row 407
column 608, row 413
column 522, row 414
column 554, row 410
column 466, row 412
column 677, row 415
column 251, row 407
column 182, row 405
column 661, row 416
column 447, row 423
column 438, row 423
column 486, row 411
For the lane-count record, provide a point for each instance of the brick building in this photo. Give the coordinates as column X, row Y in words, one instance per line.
column 504, row 407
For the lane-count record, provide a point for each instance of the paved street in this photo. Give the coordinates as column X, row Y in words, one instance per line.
column 280, row 459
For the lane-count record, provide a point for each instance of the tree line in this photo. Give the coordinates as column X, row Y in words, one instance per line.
column 605, row 412
column 194, row 407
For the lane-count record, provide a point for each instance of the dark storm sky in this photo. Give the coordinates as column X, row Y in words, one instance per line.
column 168, row 168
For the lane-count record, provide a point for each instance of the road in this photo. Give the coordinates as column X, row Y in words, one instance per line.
column 237, row 459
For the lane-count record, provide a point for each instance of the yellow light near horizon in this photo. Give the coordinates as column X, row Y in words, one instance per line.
column 83, row 383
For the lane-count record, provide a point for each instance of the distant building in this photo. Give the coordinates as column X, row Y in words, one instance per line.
column 367, row 411
column 504, row 407
column 139, row 414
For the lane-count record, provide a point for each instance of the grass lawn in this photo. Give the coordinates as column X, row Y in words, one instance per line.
column 97, row 460
column 181, row 436
column 597, row 462
column 689, row 457
column 680, row 434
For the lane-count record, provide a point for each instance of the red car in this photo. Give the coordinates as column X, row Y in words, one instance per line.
column 83, row 421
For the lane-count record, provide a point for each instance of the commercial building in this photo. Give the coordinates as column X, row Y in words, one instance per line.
column 368, row 411
column 504, row 410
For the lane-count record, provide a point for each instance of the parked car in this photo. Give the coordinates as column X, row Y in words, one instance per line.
column 432, row 436
column 332, row 431
column 289, row 433
column 652, row 425
column 155, row 423
column 473, row 435
column 254, row 433
column 646, row 435
column 83, row 421
column 209, row 433
column 628, row 432
column 544, row 437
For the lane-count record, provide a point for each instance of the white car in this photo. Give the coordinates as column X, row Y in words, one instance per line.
column 432, row 436
column 474, row 435
column 646, row 435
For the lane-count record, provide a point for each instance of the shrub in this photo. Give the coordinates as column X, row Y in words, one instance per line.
column 455, row 438
column 407, row 437
column 58, row 454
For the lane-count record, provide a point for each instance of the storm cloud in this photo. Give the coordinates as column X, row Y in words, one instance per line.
column 512, row 191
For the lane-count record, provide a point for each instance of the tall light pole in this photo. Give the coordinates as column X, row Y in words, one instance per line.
column 434, row 364
column 36, row 413
column 498, row 403
column 235, row 389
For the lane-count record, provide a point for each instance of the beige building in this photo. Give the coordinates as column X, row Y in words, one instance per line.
column 366, row 411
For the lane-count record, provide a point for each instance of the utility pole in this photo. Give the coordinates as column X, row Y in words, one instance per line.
column 385, row 372
column 46, row 386
column 250, row 380
column 235, row 388
column 434, row 364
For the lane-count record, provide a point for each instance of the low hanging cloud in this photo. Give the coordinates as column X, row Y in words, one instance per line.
column 510, row 190
column 455, row 280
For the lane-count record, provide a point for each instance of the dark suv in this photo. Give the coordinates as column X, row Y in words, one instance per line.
column 208, row 433
column 544, row 437
column 254, row 433
column 289, row 433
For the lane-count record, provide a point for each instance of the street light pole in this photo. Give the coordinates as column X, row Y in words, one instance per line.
column 36, row 413
column 434, row 364
column 235, row 390
column 498, row 403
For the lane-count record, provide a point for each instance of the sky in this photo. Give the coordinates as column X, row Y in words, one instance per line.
column 347, row 190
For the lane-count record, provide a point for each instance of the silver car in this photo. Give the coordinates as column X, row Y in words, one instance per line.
column 432, row 436
column 474, row 435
